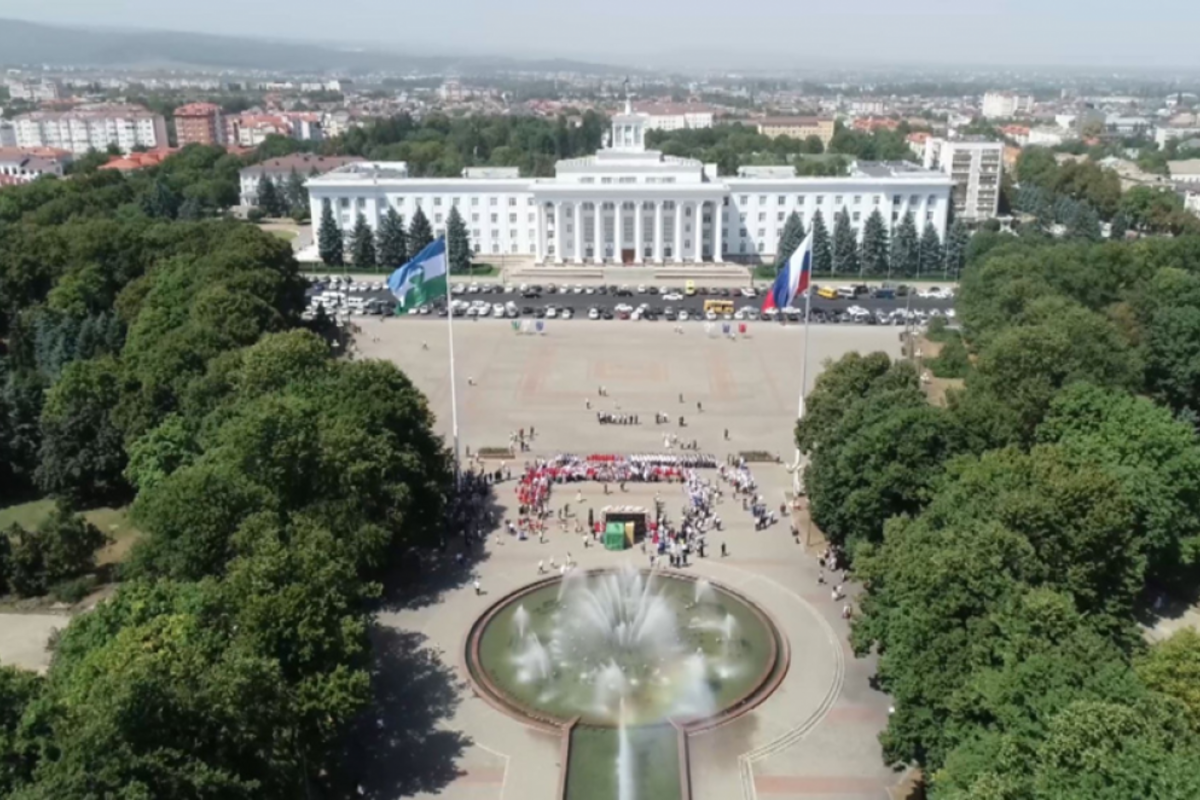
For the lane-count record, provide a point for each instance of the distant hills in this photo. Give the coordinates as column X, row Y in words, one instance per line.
column 29, row 43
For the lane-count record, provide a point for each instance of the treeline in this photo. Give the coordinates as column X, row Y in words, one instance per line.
column 1010, row 541
column 442, row 146
column 1080, row 180
column 159, row 361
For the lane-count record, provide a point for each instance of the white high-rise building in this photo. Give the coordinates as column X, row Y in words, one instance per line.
column 92, row 128
column 1003, row 105
column 975, row 165
column 630, row 205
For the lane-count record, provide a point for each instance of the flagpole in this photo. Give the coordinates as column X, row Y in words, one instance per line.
column 453, row 388
column 803, row 384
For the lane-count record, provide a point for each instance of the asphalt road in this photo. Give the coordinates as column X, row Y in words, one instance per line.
column 580, row 303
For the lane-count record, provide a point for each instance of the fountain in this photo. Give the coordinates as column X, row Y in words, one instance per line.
column 628, row 653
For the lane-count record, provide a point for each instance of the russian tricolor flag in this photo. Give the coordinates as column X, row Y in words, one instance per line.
column 794, row 278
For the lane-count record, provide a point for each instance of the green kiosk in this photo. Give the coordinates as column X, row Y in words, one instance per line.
column 624, row 526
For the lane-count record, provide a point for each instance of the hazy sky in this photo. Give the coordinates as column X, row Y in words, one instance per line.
column 1097, row 33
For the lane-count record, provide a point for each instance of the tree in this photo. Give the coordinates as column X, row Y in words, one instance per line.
column 845, row 246
column 458, row 244
column 874, row 252
column 329, row 238
column 62, row 547
column 362, row 244
column 296, row 195
column 906, row 250
column 822, row 252
column 420, row 234
column 932, row 256
column 391, row 246
column 956, row 249
column 160, row 202
column 268, row 196
column 790, row 238
column 1085, row 224
column 191, row 210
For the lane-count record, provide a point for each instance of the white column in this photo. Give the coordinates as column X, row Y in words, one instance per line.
column 639, row 232
column 559, row 225
column 678, row 251
column 598, row 239
column 541, row 233
column 618, row 231
column 658, row 231
column 578, row 232
column 718, row 229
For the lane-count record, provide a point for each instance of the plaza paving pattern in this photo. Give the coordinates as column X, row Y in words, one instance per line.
column 815, row 737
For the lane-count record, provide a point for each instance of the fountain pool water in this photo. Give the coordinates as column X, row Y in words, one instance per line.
column 626, row 652
column 663, row 646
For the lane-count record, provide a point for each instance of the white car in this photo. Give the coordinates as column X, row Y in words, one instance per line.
column 750, row 292
column 473, row 311
column 641, row 289
column 485, row 310
column 594, row 313
column 578, row 289
column 551, row 312
column 711, row 316
column 458, row 288
column 672, row 297
column 497, row 310
column 623, row 307
column 683, row 316
column 589, row 290
column 508, row 288
column 473, row 288
column 566, row 314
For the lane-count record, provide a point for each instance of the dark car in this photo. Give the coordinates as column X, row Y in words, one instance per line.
column 601, row 290
column 531, row 293
column 885, row 293
column 607, row 314
column 527, row 311
column 540, row 313
column 651, row 290
column 551, row 289
column 861, row 290
column 669, row 315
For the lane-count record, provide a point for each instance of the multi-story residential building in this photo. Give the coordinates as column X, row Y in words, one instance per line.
column 1186, row 171
column 1002, row 105
column 92, row 128
column 1046, row 137
column 675, row 116
column 797, row 127
column 33, row 91
column 280, row 170
column 8, row 134
column 199, row 123
column 251, row 130
column 1184, row 126
column 975, row 165
column 630, row 205
column 23, row 165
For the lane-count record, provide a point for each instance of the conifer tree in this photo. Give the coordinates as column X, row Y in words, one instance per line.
column 420, row 234
column 329, row 238
column 458, row 244
column 845, row 246
column 268, row 197
column 932, row 254
column 822, row 253
column 391, row 248
column 956, row 250
column 1120, row 224
column 906, row 254
column 874, row 253
column 789, row 240
column 362, row 244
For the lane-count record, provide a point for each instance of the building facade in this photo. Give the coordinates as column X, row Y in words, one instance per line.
column 92, row 128
column 675, row 116
column 1002, row 105
column 280, row 170
column 797, row 128
column 975, row 165
column 33, row 91
column 630, row 205
column 22, row 165
column 199, row 123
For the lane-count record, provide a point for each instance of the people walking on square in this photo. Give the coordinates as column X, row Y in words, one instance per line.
column 478, row 590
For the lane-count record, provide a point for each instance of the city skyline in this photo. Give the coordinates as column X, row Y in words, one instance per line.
column 1018, row 33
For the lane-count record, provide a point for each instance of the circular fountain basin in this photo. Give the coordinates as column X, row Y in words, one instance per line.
column 624, row 646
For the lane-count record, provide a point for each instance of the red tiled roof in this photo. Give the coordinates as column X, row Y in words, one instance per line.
column 150, row 158
column 198, row 110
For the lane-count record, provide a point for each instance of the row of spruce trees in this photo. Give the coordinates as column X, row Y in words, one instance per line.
column 391, row 246
column 902, row 253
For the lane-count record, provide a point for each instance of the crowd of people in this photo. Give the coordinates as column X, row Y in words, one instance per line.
column 609, row 418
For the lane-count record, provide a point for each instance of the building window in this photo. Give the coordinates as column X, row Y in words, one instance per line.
column 932, row 199
column 762, row 199
column 877, row 199
column 761, row 246
column 475, row 235
column 606, row 180
column 493, row 201
column 587, row 180
column 837, row 201
column 912, row 201
column 896, row 199
column 820, row 199
column 744, row 233
column 512, row 235
column 345, row 202
column 474, row 218
column 437, row 218
column 477, row 248
column 512, row 201
column 512, row 217
column 532, row 236
column 929, row 216
column 762, row 216
column 495, row 234
column 741, row 247
column 857, row 216
column 533, row 218
column 495, row 218
column 474, row 201
column 858, row 199
column 437, row 201
column 780, row 216
column 744, row 200
column 781, row 200
column 530, row 202
column 762, row 234
column 454, row 202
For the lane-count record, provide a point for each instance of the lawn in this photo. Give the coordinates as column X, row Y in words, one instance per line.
column 286, row 235
column 112, row 521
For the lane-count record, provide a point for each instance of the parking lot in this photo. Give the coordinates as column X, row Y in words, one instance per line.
column 860, row 305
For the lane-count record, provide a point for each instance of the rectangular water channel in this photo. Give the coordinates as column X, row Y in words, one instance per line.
column 592, row 764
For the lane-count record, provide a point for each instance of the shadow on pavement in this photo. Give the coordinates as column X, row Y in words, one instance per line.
column 397, row 749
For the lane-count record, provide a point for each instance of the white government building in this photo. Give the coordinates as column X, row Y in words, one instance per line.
column 630, row 205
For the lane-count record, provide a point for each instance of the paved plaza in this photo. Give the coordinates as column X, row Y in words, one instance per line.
column 815, row 737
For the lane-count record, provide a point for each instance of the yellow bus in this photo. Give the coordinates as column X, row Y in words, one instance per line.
column 689, row 288
column 828, row 292
column 718, row 306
